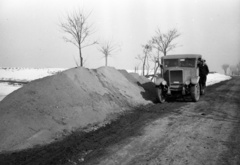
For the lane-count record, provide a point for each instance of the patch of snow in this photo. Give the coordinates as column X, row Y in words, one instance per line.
column 27, row 74
column 6, row 89
column 214, row 78
column 23, row 75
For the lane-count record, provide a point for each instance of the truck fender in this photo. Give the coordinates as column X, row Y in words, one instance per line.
column 195, row 80
column 158, row 81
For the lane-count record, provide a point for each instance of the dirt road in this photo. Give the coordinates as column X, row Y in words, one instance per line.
column 178, row 132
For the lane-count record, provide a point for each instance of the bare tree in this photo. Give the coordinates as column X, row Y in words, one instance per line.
column 141, row 58
column 225, row 67
column 136, row 69
column 233, row 69
column 78, row 30
column 148, row 67
column 238, row 68
column 156, row 61
column 146, row 50
column 108, row 48
column 163, row 42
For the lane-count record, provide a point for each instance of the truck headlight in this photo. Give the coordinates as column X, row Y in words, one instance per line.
column 194, row 80
column 187, row 82
column 164, row 83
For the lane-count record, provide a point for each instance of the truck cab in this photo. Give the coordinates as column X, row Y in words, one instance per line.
column 179, row 77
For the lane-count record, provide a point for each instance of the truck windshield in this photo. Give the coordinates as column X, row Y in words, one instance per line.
column 182, row 62
column 171, row 63
column 187, row 62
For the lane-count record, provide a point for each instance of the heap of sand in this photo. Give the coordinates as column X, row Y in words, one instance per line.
column 49, row 108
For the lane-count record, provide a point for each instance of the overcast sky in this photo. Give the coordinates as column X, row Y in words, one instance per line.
column 30, row 35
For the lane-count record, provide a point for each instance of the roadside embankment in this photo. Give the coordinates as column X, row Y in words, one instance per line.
column 47, row 109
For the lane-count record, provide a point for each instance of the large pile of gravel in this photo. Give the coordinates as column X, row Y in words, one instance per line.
column 48, row 108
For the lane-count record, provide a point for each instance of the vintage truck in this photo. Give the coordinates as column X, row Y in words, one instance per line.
column 179, row 76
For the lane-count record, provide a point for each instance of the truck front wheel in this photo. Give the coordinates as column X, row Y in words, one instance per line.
column 195, row 92
column 161, row 97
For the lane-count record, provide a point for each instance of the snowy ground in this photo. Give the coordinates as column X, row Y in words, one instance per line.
column 22, row 75
column 29, row 74
column 214, row 78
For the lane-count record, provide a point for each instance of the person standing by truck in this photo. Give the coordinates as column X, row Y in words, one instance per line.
column 203, row 72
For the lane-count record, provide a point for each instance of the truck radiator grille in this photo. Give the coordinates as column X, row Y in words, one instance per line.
column 176, row 77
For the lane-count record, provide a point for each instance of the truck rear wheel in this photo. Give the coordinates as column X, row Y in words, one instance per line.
column 195, row 92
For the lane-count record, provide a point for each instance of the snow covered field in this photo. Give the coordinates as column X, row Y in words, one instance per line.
column 22, row 75
column 29, row 74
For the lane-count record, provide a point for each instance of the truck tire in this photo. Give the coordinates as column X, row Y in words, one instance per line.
column 161, row 97
column 195, row 92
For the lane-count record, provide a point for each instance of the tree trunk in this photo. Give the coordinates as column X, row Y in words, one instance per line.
column 155, row 71
column 144, row 63
column 80, row 57
column 165, row 53
column 143, row 68
column 106, row 60
column 225, row 71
